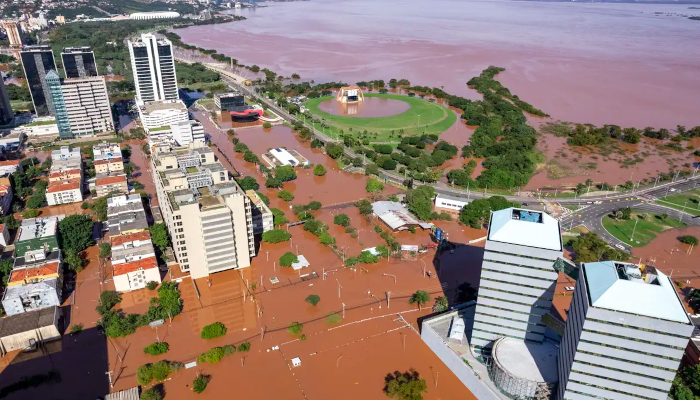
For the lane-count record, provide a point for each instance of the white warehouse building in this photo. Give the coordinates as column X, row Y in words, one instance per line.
column 625, row 335
column 154, row 15
column 517, row 277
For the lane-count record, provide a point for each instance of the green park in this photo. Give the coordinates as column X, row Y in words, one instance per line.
column 687, row 201
column 423, row 117
column 640, row 228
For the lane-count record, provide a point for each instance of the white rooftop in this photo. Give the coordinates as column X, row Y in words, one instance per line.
column 525, row 228
column 284, row 157
column 625, row 287
column 302, row 263
column 531, row 361
column 33, row 228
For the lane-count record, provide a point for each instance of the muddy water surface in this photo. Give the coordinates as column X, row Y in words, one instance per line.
column 371, row 107
column 597, row 63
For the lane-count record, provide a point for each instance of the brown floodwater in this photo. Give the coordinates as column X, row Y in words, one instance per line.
column 583, row 62
column 371, row 107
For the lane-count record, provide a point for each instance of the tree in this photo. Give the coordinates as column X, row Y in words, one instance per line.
column 364, row 206
column 200, row 383
column 288, row 259
column 31, row 214
column 334, row 150
column 248, row 183
column 264, row 198
column 405, row 386
column 420, row 201
column 326, row 238
column 37, row 200
column 278, row 217
column 689, row 239
column 152, row 394
column 285, row 173
column 373, row 185
column 151, row 285
column 250, row 157
column 76, row 233
column 626, row 213
column 319, row 170
column 295, row 328
column 157, row 348
column 129, row 168
column 240, row 147
column 313, row 299
column 276, row 236
column 273, row 183
column 244, row 347
column 342, row 220
column 267, row 125
column 159, row 236
column 440, row 304
column 105, row 250
column 285, row 195
column 212, row 331
column 421, row 297
column 367, row 258
column 212, row 356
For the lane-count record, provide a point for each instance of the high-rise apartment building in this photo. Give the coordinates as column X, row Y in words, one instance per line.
column 625, row 335
column 37, row 61
column 153, row 66
column 13, row 33
column 6, row 114
column 186, row 132
column 208, row 215
column 81, row 105
column 157, row 117
column 517, row 277
column 79, row 62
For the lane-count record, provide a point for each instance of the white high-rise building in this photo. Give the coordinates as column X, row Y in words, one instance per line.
column 153, row 66
column 626, row 333
column 517, row 277
column 186, row 132
column 209, row 217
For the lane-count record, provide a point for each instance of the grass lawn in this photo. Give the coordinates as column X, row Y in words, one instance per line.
column 678, row 200
column 572, row 208
column 422, row 117
column 645, row 232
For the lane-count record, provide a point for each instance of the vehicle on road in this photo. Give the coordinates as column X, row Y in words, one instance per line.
column 569, row 288
column 619, row 246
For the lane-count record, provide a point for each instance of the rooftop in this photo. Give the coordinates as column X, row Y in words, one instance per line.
column 71, row 184
column 28, row 321
column 535, row 362
column 396, row 215
column 33, row 228
column 24, row 274
column 110, row 180
column 146, row 263
column 635, row 289
column 132, row 237
column 9, row 163
column 525, row 228
column 453, row 198
column 165, row 105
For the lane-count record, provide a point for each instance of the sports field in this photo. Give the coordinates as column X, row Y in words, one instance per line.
column 422, row 117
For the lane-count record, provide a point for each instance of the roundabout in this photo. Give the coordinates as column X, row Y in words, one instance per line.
column 383, row 114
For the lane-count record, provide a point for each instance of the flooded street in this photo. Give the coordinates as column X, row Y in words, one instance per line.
column 578, row 62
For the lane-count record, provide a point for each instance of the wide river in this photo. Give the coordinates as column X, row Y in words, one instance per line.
column 625, row 64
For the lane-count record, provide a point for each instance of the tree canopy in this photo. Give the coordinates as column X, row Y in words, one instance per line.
column 405, row 386
column 76, row 233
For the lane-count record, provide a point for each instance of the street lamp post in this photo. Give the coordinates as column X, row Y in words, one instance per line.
column 634, row 229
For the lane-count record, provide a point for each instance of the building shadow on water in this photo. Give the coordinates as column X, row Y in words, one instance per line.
column 458, row 268
column 72, row 367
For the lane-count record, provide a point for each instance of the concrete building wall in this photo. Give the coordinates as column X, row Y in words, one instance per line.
column 65, row 197
column 21, row 340
column 516, row 289
column 87, row 104
column 104, row 190
column 136, row 280
column 617, row 355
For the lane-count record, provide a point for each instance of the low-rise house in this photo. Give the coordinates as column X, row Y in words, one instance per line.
column 107, row 158
column 33, row 286
column 23, row 331
column 105, row 185
column 125, row 214
column 262, row 216
column 396, row 216
column 64, row 192
column 65, row 175
column 136, row 274
column 450, row 203
column 66, row 158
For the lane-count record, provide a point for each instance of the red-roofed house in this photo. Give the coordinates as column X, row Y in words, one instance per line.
column 136, row 274
column 64, row 192
column 67, row 175
column 135, row 239
column 9, row 167
column 108, row 184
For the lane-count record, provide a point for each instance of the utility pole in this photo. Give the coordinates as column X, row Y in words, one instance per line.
column 339, row 287
column 634, row 229
column 388, row 299
column 109, row 375
column 343, row 310
column 404, row 342
column 337, row 362
column 436, row 378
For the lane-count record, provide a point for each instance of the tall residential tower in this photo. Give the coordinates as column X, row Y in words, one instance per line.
column 37, row 62
column 6, row 114
column 517, row 277
column 625, row 335
column 154, row 68
column 79, row 62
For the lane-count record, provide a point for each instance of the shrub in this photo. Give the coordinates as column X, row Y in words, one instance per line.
column 295, row 328
column 276, row 236
column 378, row 229
column 278, row 217
column 288, row 259
column 350, row 261
column 151, row 394
column 342, row 220
column 244, row 347
column 201, row 381
column 31, row 213
column 158, row 371
column 85, row 205
column 152, row 285
column 273, row 183
column 319, row 170
column 157, row 348
column 285, row 195
column 313, row 299
column 333, row 318
column 77, row 328
column 314, row 205
column 373, row 186
column 367, row 258
column 689, row 239
column 215, row 330
column 267, row 125
column 212, row 356
column 325, row 238
column 229, row 349
column 302, row 337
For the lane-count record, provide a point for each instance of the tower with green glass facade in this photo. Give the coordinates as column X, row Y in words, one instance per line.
column 53, row 81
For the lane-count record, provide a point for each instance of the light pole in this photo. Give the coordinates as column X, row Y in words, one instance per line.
column 634, row 229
